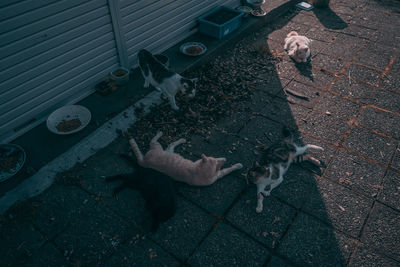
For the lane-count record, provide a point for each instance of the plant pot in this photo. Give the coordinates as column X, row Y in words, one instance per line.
column 220, row 21
column 120, row 76
column 163, row 59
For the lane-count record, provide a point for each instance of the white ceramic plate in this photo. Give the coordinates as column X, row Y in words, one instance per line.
column 185, row 46
column 9, row 168
column 68, row 115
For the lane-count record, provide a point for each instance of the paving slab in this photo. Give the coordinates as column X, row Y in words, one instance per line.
column 330, row 118
column 225, row 246
column 381, row 231
column 345, row 46
column 310, row 95
column 371, row 145
column 369, row 257
column 363, row 73
column 93, row 236
column 288, row 113
column 338, row 206
column 396, row 159
column 376, row 55
column 326, row 62
column 276, row 261
column 267, row 226
column 59, row 207
column 395, row 68
column 356, row 173
column 390, row 193
column 381, row 121
column 141, row 251
column 316, row 78
column 48, row 255
column 367, row 94
column 183, row 233
column 262, row 129
column 294, row 189
column 311, row 243
column 20, row 242
column 217, row 197
column 390, row 82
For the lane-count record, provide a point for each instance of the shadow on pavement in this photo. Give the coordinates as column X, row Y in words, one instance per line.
column 329, row 19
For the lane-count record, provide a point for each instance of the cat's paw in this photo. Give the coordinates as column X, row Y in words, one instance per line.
column 159, row 133
column 239, row 165
column 176, row 108
column 259, row 209
column 182, row 140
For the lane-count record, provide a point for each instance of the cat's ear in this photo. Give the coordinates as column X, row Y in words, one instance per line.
column 203, row 157
column 256, row 164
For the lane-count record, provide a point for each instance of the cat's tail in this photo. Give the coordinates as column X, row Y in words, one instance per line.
column 293, row 33
column 136, row 150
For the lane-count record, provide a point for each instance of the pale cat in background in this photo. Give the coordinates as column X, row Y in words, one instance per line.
column 163, row 79
column 202, row 172
column 297, row 47
column 275, row 162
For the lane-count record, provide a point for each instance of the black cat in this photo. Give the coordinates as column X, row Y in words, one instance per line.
column 156, row 188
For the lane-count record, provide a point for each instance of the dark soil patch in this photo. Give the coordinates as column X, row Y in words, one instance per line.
column 224, row 87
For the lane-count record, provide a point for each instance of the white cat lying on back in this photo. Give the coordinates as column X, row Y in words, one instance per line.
column 202, row 172
column 297, row 47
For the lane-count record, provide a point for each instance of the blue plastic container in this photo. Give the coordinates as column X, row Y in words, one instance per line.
column 213, row 23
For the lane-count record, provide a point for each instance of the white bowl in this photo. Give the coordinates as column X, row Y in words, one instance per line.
column 7, row 150
column 67, row 114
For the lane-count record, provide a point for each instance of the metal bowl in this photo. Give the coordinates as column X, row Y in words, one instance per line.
column 68, row 119
column 12, row 159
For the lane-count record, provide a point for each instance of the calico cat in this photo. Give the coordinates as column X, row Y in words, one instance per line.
column 163, row 79
column 297, row 47
column 202, row 172
column 157, row 189
column 275, row 162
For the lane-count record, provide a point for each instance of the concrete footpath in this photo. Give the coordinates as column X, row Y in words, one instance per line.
column 346, row 213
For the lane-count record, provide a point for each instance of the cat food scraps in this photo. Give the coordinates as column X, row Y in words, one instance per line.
column 68, row 125
column 194, row 50
column 9, row 162
column 119, row 73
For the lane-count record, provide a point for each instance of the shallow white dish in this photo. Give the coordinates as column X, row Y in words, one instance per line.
column 183, row 48
column 18, row 156
column 67, row 115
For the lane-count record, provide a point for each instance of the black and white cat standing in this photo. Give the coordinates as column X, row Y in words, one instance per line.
column 163, row 79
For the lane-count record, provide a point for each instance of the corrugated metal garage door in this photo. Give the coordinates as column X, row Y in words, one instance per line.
column 52, row 53
column 157, row 25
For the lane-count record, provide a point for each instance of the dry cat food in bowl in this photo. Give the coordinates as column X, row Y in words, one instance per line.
column 193, row 49
column 258, row 13
column 68, row 119
column 12, row 158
